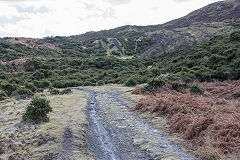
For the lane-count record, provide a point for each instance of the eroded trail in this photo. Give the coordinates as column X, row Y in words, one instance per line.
column 66, row 151
column 114, row 133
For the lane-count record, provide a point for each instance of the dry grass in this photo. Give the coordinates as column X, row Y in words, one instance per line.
column 27, row 141
column 211, row 123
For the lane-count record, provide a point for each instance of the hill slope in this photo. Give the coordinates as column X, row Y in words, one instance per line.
column 145, row 41
column 93, row 58
column 215, row 12
column 218, row 18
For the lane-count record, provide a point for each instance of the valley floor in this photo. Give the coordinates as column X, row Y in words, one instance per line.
column 90, row 123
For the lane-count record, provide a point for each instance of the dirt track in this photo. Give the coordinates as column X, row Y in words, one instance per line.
column 115, row 133
column 91, row 123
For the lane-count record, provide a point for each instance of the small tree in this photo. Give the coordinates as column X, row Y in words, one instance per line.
column 37, row 110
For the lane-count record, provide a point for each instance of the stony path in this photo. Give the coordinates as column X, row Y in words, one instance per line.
column 114, row 133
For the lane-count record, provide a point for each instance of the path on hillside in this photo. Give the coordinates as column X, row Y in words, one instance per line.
column 114, row 133
column 115, row 42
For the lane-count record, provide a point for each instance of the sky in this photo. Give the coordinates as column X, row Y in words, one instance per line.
column 42, row 18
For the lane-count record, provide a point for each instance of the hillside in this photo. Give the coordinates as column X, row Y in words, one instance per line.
column 216, row 12
column 186, row 103
column 201, row 25
column 217, row 59
column 33, row 70
column 145, row 41
column 112, row 56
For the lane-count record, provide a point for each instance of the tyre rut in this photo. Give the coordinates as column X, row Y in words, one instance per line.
column 114, row 133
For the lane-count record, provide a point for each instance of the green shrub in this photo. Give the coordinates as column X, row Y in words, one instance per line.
column 37, row 110
column 67, row 83
column 75, row 62
column 22, row 92
column 60, row 84
column 40, row 90
column 156, row 83
column 54, row 91
column 196, row 89
column 187, row 79
column 116, row 53
column 42, row 84
column 8, row 88
column 88, row 83
column 100, row 83
column 142, row 79
column 2, row 74
column 155, row 71
column 31, row 87
column 235, row 36
column 131, row 82
column 178, row 86
column 173, row 77
column 38, row 75
column 3, row 95
column 14, row 81
column 66, row 91
column 215, row 58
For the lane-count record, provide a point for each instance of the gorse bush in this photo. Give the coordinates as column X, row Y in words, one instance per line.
column 100, row 83
column 54, row 91
column 195, row 89
column 131, row 82
column 235, row 36
column 37, row 110
column 42, row 84
column 66, row 83
column 22, row 92
column 31, row 87
column 89, row 83
column 156, row 83
column 8, row 88
column 66, row 91
column 3, row 95
column 178, row 86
